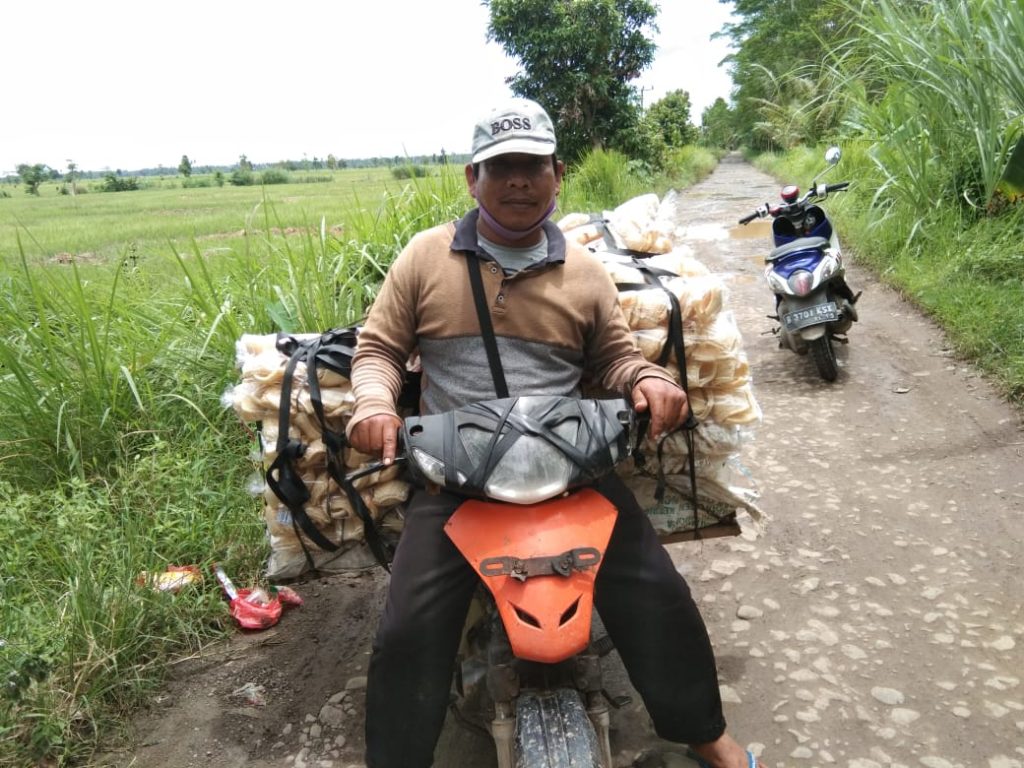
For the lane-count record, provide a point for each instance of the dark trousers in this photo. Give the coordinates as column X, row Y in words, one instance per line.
column 642, row 600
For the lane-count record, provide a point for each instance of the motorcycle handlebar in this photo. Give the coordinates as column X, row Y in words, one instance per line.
column 641, row 421
column 759, row 212
column 816, row 191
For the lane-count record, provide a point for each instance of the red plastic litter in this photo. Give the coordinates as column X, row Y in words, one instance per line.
column 256, row 609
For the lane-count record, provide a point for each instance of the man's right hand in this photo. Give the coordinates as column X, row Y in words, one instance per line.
column 377, row 436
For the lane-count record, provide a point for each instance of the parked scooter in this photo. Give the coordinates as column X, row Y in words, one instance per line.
column 529, row 670
column 814, row 305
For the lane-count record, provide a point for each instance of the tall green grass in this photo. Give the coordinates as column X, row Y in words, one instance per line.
column 606, row 178
column 946, row 104
column 118, row 457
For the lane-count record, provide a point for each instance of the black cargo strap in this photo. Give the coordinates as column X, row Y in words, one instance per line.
column 332, row 350
column 486, row 328
column 674, row 343
column 578, row 559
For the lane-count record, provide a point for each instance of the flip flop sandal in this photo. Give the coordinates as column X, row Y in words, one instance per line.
column 751, row 760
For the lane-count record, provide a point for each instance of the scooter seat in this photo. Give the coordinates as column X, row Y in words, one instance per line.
column 800, row 244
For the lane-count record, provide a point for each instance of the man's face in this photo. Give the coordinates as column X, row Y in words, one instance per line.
column 516, row 189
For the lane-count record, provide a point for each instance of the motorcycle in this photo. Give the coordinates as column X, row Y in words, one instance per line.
column 814, row 305
column 529, row 668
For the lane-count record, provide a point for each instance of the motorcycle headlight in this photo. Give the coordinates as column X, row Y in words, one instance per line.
column 801, row 282
column 432, row 467
column 532, row 470
column 775, row 282
column 827, row 268
column 520, row 450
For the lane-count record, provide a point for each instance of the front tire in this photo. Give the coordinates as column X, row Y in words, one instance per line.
column 824, row 355
column 553, row 731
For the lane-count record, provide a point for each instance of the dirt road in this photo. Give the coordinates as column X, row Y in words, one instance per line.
column 875, row 621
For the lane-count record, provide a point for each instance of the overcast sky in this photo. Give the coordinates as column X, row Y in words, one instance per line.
column 111, row 84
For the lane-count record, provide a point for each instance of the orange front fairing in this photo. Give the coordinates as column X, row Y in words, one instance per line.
column 547, row 617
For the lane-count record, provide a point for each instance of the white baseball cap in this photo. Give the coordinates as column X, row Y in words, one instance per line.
column 517, row 125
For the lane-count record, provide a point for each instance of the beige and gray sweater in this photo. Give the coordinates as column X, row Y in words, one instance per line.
column 557, row 323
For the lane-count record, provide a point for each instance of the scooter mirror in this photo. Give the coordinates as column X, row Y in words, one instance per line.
column 832, row 155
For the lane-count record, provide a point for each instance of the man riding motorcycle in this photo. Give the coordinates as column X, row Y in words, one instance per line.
column 555, row 318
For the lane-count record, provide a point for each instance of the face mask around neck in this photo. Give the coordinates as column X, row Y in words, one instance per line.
column 513, row 234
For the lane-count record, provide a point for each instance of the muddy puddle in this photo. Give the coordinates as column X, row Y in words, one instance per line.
column 716, row 231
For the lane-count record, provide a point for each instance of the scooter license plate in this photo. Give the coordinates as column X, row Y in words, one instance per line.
column 802, row 318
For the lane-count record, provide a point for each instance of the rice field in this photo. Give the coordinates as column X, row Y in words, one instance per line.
column 100, row 226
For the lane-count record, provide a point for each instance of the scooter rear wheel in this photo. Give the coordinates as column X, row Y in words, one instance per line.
column 824, row 355
column 553, row 731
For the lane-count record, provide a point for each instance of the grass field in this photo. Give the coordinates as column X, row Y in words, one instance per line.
column 105, row 225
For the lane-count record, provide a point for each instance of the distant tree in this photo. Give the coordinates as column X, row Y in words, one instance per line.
column 671, row 116
column 717, row 125
column 32, row 176
column 332, row 162
column 185, row 166
column 116, row 183
column 218, row 178
column 70, row 177
column 244, row 164
column 578, row 59
column 775, row 41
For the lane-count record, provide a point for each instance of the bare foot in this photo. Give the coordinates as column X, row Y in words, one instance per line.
column 723, row 753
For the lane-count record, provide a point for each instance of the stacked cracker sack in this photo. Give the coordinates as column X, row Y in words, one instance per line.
column 717, row 373
column 257, row 400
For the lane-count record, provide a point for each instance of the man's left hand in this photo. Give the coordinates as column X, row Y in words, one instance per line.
column 665, row 401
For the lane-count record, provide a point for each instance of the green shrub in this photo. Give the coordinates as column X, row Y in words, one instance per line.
column 114, row 183
column 242, row 178
column 274, row 176
column 409, row 172
column 602, row 180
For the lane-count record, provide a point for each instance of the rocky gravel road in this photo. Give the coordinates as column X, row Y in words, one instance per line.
column 873, row 621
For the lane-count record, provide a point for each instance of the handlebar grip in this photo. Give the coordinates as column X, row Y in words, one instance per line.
column 837, row 187
column 748, row 219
